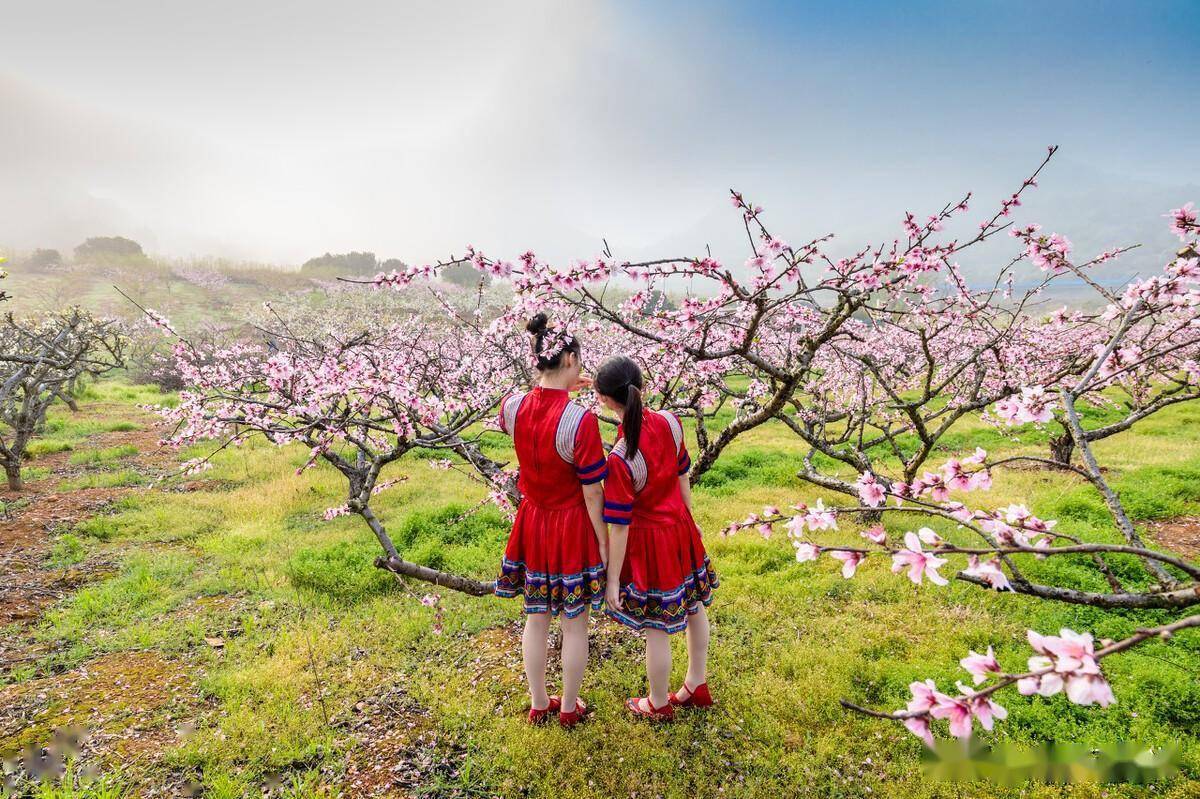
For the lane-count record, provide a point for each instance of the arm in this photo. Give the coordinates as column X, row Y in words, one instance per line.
column 685, row 488
column 684, row 463
column 591, row 467
column 618, row 513
column 593, row 496
column 618, row 537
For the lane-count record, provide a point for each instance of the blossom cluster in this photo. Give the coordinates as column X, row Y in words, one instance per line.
column 1067, row 662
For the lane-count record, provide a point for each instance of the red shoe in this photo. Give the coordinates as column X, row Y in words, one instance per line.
column 569, row 718
column 664, row 713
column 543, row 715
column 697, row 697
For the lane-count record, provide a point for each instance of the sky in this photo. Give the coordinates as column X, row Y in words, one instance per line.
column 277, row 131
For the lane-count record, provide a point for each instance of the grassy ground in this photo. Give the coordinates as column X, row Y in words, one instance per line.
column 294, row 666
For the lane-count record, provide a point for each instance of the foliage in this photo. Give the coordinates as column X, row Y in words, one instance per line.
column 105, row 249
column 349, row 263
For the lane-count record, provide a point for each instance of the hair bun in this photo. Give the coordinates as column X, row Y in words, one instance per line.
column 537, row 324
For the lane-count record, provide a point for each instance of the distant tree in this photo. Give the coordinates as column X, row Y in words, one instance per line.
column 45, row 259
column 108, row 248
column 349, row 263
column 41, row 359
column 465, row 275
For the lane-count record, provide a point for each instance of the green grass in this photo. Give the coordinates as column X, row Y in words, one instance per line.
column 96, row 456
column 251, row 559
column 105, row 479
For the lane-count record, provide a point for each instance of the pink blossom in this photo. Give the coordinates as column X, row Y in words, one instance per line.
column 1067, row 660
column 818, row 518
column 1183, row 221
column 957, row 710
column 924, row 697
column 795, row 526
column 806, row 551
column 980, row 666
column 332, row 513
column 983, row 708
column 980, row 481
column 929, row 537
column 989, row 571
column 1087, row 689
column 919, row 563
column 850, row 561
column 919, row 726
column 870, row 492
column 876, row 534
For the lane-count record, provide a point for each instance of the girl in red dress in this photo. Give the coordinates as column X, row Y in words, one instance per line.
column 555, row 553
column 666, row 581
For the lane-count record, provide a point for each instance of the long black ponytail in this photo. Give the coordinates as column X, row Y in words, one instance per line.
column 621, row 379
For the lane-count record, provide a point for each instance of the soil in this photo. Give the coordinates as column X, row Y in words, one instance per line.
column 28, row 584
column 127, row 708
column 1180, row 535
column 395, row 750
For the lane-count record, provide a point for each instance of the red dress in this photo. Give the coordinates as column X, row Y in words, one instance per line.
column 666, row 573
column 552, row 557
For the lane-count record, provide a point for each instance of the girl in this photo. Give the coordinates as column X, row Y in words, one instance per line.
column 555, row 553
column 666, row 580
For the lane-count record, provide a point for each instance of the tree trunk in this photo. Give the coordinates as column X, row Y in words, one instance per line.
column 12, row 470
column 1062, row 448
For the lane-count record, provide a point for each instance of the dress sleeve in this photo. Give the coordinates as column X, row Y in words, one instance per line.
column 618, row 492
column 590, row 465
column 500, row 414
column 683, row 460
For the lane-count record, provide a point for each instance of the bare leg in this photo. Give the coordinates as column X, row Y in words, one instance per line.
column 574, row 657
column 658, row 666
column 697, row 647
column 533, row 648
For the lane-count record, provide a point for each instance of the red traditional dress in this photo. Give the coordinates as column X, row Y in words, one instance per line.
column 666, row 572
column 553, row 558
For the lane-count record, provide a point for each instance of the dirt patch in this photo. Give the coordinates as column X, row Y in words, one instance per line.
column 496, row 658
column 1180, row 535
column 395, row 750
column 28, row 584
column 124, row 709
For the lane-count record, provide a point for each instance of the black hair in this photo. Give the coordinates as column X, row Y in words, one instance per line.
column 537, row 326
column 621, row 379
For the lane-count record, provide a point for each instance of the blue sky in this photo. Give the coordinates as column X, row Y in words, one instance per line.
column 277, row 131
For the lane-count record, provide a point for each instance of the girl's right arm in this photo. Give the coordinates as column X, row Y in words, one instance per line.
column 618, row 537
column 591, row 466
column 618, row 513
column 685, row 488
column 684, row 463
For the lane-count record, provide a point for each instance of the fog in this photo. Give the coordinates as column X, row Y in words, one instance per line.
column 275, row 134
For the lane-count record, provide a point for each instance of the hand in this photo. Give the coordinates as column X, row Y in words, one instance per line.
column 612, row 596
column 583, row 382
